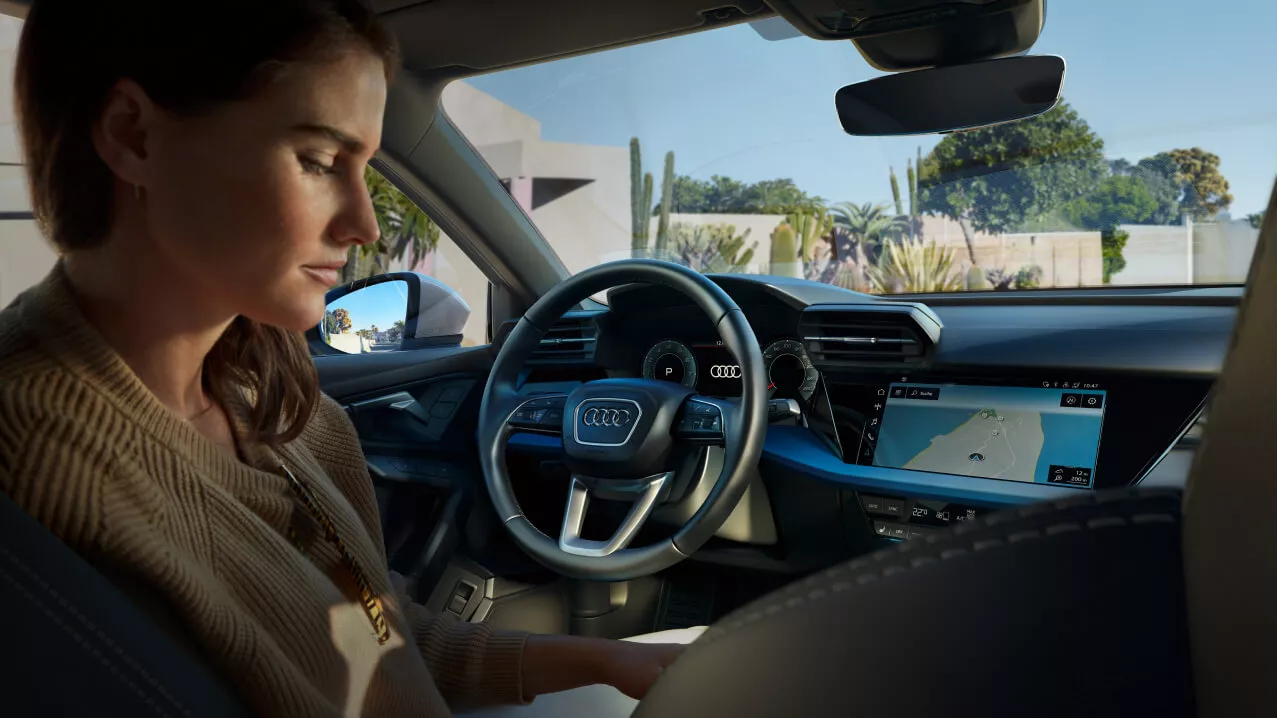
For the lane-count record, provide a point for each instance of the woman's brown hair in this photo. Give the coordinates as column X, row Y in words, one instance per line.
column 188, row 57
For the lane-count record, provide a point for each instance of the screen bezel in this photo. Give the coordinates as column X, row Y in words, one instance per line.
column 1060, row 390
column 1144, row 414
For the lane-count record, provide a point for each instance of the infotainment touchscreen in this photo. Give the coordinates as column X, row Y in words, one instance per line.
column 1045, row 435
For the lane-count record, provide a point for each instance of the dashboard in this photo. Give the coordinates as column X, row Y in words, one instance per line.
column 931, row 410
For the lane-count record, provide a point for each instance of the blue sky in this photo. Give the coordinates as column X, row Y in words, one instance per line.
column 381, row 304
column 1147, row 77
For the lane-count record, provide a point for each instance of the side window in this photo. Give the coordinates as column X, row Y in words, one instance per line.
column 25, row 256
column 453, row 297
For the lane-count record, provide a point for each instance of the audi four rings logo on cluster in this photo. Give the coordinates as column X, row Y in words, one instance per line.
column 605, row 417
column 725, row 371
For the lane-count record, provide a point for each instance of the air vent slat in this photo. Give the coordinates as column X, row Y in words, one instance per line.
column 571, row 340
column 861, row 336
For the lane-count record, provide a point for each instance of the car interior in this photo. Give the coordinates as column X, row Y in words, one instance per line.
column 639, row 446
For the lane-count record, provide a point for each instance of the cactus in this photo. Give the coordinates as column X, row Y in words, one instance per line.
column 729, row 246
column 711, row 248
column 640, row 201
column 976, row 279
column 667, row 199
column 895, row 190
column 911, row 177
column 809, row 228
column 784, row 252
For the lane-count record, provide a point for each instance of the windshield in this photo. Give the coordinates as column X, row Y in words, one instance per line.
column 721, row 151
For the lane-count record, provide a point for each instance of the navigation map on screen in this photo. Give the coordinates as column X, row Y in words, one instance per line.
column 1041, row 435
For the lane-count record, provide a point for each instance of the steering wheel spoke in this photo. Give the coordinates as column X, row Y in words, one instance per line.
column 644, row 494
column 704, row 419
column 539, row 414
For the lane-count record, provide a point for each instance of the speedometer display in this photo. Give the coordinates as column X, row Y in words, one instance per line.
column 790, row 374
column 669, row 360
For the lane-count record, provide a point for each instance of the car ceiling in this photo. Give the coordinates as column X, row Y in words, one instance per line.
column 467, row 37
column 455, row 38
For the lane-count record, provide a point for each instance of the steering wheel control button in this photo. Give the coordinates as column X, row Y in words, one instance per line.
column 701, row 420
column 539, row 413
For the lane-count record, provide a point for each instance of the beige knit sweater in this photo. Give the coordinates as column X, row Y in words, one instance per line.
column 92, row 454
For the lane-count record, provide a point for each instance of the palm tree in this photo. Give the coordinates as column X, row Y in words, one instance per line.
column 405, row 229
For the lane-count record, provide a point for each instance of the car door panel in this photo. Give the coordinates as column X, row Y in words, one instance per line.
column 415, row 412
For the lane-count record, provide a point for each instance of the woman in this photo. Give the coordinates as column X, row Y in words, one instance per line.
column 202, row 180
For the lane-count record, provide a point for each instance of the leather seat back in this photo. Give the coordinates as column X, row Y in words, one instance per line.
column 76, row 645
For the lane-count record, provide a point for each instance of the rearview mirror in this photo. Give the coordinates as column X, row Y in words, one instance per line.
column 956, row 97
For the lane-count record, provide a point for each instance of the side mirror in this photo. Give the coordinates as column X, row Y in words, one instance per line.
column 398, row 310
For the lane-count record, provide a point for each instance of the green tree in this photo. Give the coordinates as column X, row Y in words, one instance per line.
column 395, row 333
column 724, row 195
column 1256, row 220
column 1112, row 243
column 994, row 178
column 1120, row 199
column 337, row 321
column 1194, row 175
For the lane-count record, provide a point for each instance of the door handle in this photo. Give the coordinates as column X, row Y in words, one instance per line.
column 400, row 401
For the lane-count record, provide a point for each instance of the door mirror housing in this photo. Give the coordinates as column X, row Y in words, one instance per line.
column 388, row 312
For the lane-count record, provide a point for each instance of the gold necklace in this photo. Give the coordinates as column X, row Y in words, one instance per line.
column 371, row 604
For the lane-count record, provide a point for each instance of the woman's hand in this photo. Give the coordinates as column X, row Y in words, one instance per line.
column 633, row 667
column 558, row 663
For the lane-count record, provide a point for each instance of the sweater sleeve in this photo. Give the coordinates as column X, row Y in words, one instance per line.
column 473, row 664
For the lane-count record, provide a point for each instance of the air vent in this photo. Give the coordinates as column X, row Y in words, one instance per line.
column 570, row 340
column 851, row 336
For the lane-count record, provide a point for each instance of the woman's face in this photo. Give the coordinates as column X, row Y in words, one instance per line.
column 255, row 204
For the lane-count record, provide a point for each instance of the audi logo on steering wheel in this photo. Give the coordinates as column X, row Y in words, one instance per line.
column 725, row 371
column 605, row 417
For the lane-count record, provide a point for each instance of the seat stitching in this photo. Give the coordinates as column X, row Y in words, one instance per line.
column 118, row 650
column 83, row 642
column 716, row 632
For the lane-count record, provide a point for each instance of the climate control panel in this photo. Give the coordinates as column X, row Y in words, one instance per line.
column 902, row 518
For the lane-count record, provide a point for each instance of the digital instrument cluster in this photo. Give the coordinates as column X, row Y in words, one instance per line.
column 710, row 369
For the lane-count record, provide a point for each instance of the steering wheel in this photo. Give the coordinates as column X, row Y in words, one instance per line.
column 622, row 438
